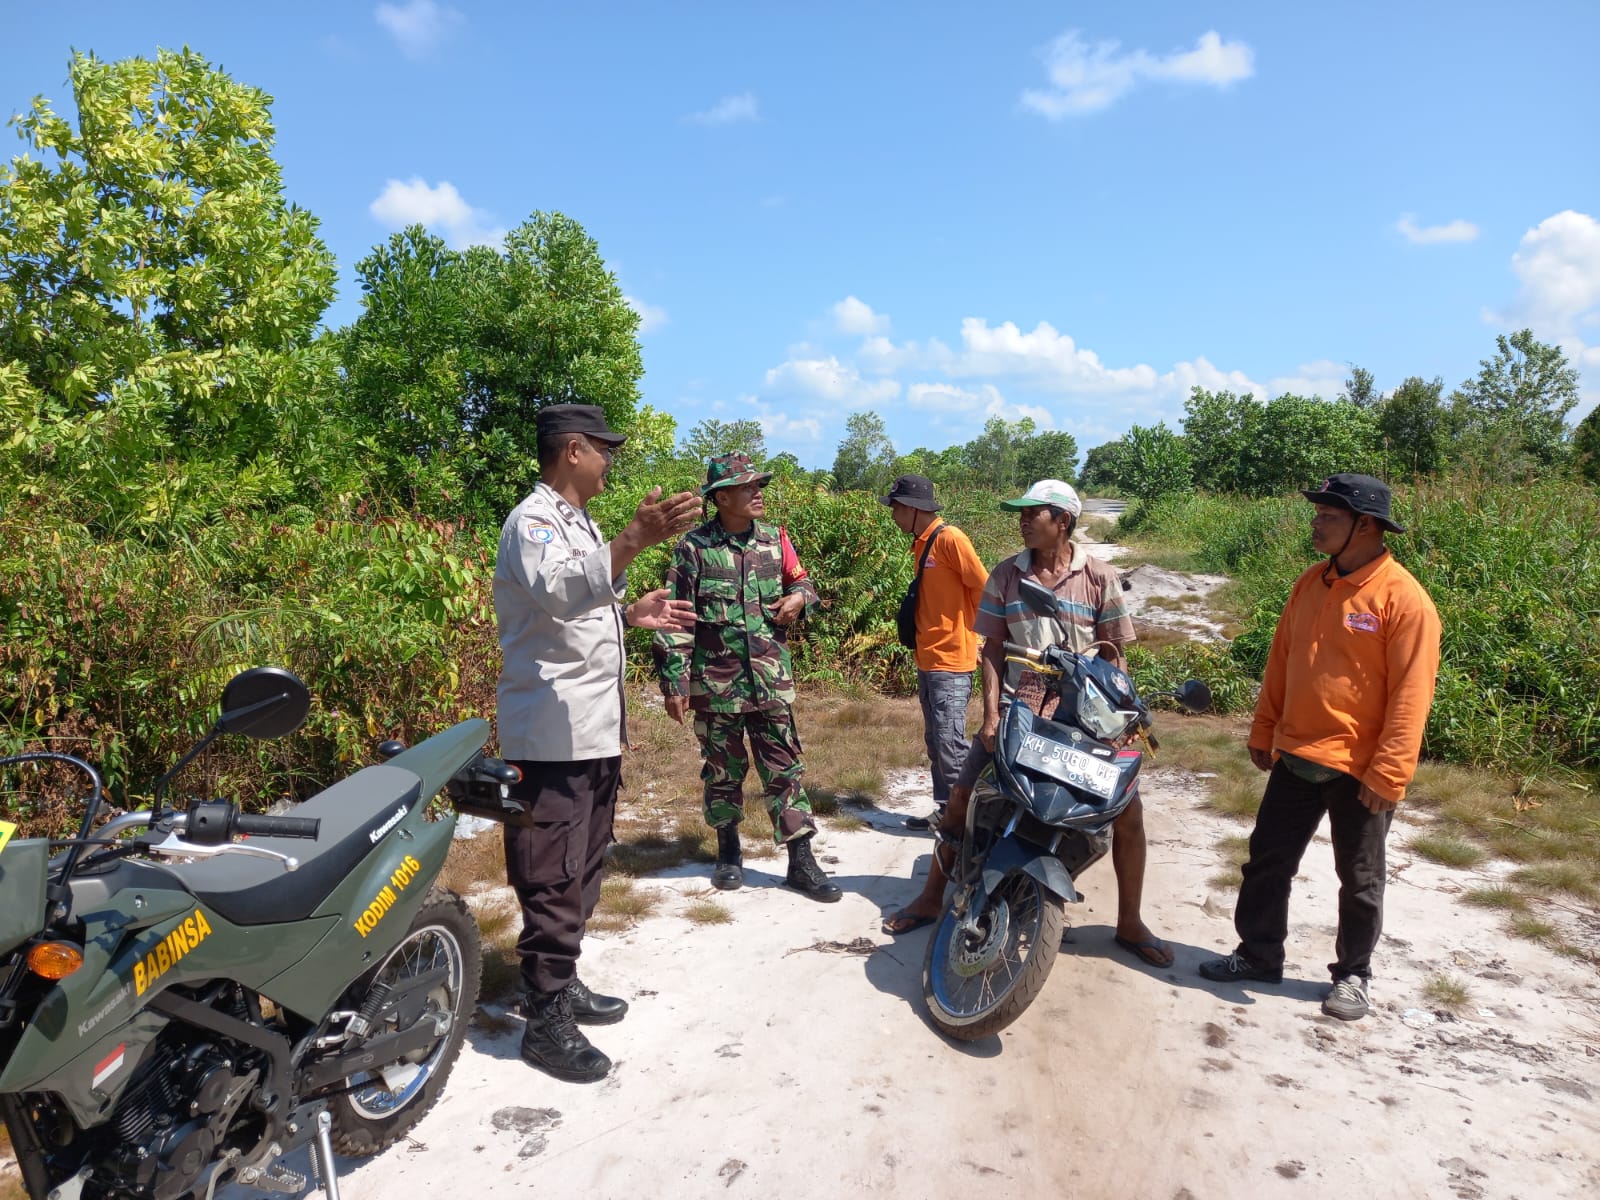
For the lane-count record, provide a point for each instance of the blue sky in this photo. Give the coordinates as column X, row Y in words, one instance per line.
column 944, row 212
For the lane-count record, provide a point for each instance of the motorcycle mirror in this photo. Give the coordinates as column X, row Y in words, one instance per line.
column 1194, row 695
column 1039, row 599
column 264, row 703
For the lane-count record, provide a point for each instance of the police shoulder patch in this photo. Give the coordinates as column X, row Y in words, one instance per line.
column 541, row 531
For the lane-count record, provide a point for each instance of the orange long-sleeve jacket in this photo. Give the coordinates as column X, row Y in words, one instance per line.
column 1351, row 673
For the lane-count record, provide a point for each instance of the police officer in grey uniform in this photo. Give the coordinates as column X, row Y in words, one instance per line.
column 558, row 599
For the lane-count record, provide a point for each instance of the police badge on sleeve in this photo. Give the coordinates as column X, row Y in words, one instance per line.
column 541, row 532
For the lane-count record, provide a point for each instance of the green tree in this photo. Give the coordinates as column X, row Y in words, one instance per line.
column 1415, row 428
column 1051, row 454
column 1299, row 440
column 1512, row 415
column 712, row 437
column 1221, row 429
column 159, row 300
column 1156, row 463
column 1105, row 466
column 473, row 344
column 1586, row 446
column 1360, row 388
column 865, row 459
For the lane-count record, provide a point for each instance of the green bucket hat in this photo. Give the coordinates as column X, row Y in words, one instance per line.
column 731, row 470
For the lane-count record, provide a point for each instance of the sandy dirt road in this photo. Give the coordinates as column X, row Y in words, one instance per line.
column 771, row 1057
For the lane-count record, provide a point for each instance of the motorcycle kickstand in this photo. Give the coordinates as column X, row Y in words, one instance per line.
column 322, row 1156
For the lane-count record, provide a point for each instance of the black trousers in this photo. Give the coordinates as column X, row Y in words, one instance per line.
column 554, row 862
column 1290, row 812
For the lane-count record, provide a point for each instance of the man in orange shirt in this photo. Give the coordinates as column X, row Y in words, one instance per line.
column 1343, row 706
column 950, row 583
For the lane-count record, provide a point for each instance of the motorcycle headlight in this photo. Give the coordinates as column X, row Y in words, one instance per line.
column 1098, row 715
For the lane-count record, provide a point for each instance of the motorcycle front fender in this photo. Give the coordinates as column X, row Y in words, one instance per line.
column 1011, row 854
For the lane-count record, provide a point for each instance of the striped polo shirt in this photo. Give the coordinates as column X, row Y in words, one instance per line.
column 1089, row 596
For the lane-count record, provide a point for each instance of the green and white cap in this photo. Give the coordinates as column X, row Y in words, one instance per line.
column 1048, row 491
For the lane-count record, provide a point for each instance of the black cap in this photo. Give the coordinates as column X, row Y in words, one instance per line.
column 1360, row 494
column 914, row 491
column 577, row 418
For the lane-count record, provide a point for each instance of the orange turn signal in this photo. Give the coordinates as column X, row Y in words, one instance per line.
column 54, row 960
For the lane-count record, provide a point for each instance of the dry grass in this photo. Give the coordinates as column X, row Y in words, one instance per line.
column 1567, row 878
column 1187, row 600
column 1153, row 637
column 1505, row 899
column 623, row 903
column 1447, row 993
column 1447, row 850
column 707, row 912
column 499, row 926
column 1235, row 851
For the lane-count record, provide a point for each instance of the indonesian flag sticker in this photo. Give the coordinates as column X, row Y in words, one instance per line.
column 109, row 1065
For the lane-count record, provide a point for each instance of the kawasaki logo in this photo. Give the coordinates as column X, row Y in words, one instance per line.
column 110, row 1007
column 399, row 815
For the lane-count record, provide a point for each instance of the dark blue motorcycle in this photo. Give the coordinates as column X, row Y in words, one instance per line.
column 1041, row 814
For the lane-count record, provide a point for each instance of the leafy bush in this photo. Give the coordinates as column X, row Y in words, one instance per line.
column 117, row 651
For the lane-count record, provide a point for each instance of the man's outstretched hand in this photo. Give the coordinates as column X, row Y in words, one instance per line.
column 657, row 519
column 657, row 610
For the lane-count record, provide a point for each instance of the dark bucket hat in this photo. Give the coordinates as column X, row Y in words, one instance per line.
column 1360, row 494
column 577, row 418
column 731, row 470
column 914, row 491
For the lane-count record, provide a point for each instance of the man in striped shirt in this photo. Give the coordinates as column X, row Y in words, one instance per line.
column 1092, row 614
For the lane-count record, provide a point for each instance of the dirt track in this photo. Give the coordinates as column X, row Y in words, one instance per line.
column 768, row 1057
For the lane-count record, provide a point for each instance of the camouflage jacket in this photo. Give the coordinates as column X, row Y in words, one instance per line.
column 736, row 659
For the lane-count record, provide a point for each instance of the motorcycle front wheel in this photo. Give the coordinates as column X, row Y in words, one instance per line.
column 975, row 985
column 381, row 1107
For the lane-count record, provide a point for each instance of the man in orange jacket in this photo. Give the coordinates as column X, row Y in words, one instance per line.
column 1339, row 725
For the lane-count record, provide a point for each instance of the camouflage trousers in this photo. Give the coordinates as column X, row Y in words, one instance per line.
column 776, row 748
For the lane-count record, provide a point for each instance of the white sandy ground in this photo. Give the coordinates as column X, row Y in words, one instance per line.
column 770, row 1057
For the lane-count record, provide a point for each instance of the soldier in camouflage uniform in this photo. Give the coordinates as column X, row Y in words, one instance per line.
column 732, row 670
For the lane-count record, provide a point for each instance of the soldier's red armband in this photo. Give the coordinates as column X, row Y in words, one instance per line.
column 793, row 572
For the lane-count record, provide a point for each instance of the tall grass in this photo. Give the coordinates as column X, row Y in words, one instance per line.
column 1514, row 571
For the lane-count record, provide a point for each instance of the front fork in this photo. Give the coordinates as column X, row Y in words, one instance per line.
column 970, row 902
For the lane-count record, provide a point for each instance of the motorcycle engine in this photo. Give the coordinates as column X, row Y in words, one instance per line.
column 170, row 1122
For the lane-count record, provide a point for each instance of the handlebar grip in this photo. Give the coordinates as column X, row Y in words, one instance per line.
column 1022, row 652
column 265, row 826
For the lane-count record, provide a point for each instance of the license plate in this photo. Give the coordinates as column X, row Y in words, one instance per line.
column 1070, row 766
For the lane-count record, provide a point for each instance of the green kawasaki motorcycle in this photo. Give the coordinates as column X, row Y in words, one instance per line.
column 179, row 1009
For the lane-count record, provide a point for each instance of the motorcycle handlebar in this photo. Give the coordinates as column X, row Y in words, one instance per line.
column 264, row 826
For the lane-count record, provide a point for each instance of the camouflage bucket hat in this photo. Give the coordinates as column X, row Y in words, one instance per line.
column 731, row 470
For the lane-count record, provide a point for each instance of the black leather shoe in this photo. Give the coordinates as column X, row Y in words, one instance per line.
column 805, row 876
column 552, row 1042
column 591, row 1009
column 729, row 872
column 925, row 824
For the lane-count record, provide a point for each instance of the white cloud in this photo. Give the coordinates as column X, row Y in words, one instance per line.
column 1558, row 263
column 1323, row 378
column 1427, row 235
column 1086, row 78
column 651, row 317
column 730, row 110
column 854, row 317
column 418, row 25
column 828, row 379
column 439, row 207
column 806, row 431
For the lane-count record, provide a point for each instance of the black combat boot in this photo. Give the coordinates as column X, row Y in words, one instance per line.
column 551, row 1041
column 805, row 876
column 591, row 1009
column 729, row 873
